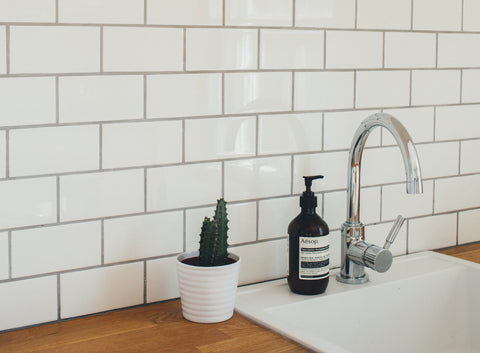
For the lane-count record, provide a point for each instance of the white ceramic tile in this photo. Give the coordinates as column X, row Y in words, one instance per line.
column 286, row 133
column 27, row 202
column 395, row 201
column 162, row 282
column 100, row 98
column 258, row 92
column 242, row 222
column 27, row 11
column 54, row 49
column 335, row 249
column 340, row 128
column 3, row 50
column 142, row 49
column 332, row 165
column 275, row 215
column 57, row 150
column 471, row 86
column 102, row 194
column 102, row 289
column 184, row 12
column 471, row 15
column 382, row 165
column 458, row 50
column 183, row 186
column 382, row 89
column 291, row 49
column 323, row 90
column 349, row 49
column 432, row 232
column 410, row 50
column 435, row 87
column 57, row 248
column 258, row 12
column 193, row 223
column 419, row 123
column 219, row 138
column 257, row 178
column 18, row 307
column 138, row 237
column 470, row 158
column 457, row 122
column 430, row 154
column 104, row 11
column 221, row 49
column 145, row 143
column 4, row 251
column 456, row 193
column 377, row 233
column 443, row 15
column 38, row 91
column 3, row 154
column 328, row 14
column 468, row 224
column 384, row 14
column 184, row 95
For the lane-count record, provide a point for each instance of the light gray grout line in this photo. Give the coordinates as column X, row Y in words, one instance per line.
column 56, row 11
column 57, row 180
column 383, row 50
column 292, row 172
column 57, row 100
column 184, row 48
column 459, row 157
column 144, row 281
column 257, row 214
column 145, row 190
column 100, row 146
column 293, row 92
column 223, row 179
column 354, row 105
column 323, row 131
column 324, row 50
column 356, row 15
column 461, row 86
column 411, row 15
column 145, row 97
column 59, row 298
column 257, row 134
column 184, row 230
column 434, row 183
column 434, row 123
column 462, row 14
column 223, row 13
column 458, row 226
column 410, row 87
column 258, row 47
column 7, row 153
column 407, row 225
column 9, row 235
column 102, row 241
column 145, row 12
column 7, row 48
column 436, row 50
column 101, row 49
column 223, row 94
column 381, row 202
column 294, row 3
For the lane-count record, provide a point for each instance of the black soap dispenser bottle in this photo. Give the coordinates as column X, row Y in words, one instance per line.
column 308, row 246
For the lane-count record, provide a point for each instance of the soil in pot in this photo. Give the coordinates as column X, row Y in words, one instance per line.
column 193, row 261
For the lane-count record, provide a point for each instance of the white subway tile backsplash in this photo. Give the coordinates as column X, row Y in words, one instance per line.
column 457, row 122
column 468, row 224
column 4, row 257
column 27, row 11
column 382, row 165
column 3, row 50
column 100, row 98
column 138, row 237
column 291, row 49
column 220, row 138
column 350, row 49
column 141, row 144
column 429, row 154
column 458, row 50
column 432, row 233
column 258, row 92
column 56, row 49
column 162, row 282
column 275, row 215
column 184, row 12
column 469, row 157
column 418, row 121
column 323, row 90
column 57, row 248
column 443, row 15
column 286, row 133
column 101, row 289
column 258, row 13
column 325, row 14
column 471, row 86
column 104, row 11
column 457, row 193
column 384, row 14
column 142, row 49
column 382, row 89
column 471, row 15
column 435, row 87
column 102, row 194
column 221, row 49
column 410, row 50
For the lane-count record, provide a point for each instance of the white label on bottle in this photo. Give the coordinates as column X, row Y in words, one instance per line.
column 313, row 257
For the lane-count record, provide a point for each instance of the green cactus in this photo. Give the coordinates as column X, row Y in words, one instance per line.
column 213, row 238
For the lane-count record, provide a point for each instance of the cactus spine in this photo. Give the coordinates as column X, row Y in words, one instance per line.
column 213, row 237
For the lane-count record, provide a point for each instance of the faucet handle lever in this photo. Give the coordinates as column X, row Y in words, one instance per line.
column 394, row 231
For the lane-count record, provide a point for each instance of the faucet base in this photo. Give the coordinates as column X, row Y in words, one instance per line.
column 352, row 280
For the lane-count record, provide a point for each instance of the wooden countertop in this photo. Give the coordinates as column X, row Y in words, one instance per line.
column 160, row 328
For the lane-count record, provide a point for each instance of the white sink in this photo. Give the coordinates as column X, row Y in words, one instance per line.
column 426, row 302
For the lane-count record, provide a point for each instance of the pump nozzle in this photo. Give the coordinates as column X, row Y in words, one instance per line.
column 308, row 200
column 308, row 180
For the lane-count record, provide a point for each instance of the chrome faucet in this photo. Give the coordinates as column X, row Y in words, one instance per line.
column 356, row 253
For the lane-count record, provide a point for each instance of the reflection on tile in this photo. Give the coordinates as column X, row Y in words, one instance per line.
column 258, row 12
column 325, row 14
column 184, row 12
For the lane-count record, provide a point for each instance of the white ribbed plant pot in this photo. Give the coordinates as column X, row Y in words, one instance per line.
column 207, row 293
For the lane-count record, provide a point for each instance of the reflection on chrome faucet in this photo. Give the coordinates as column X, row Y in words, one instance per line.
column 356, row 253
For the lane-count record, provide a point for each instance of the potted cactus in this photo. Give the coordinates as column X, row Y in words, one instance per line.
column 208, row 277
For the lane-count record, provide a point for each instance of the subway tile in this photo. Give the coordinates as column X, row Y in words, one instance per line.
column 100, row 98
column 291, row 49
column 162, row 282
column 57, row 248
column 468, row 224
column 28, row 202
column 54, row 49
column 381, row 14
column 354, row 50
column 456, row 193
column 410, row 50
column 102, row 289
column 469, row 158
column 257, row 178
column 432, row 232
column 3, row 50
column 27, row 11
column 471, row 86
column 287, row 133
column 183, row 186
column 382, row 165
column 184, row 12
column 102, row 194
column 221, row 49
column 40, row 94
column 457, row 122
column 4, row 256
column 57, row 150
column 471, row 15
column 434, row 15
column 258, row 13
column 275, row 215
column 435, row 87
column 323, row 90
column 325, row 14
column 181, row 95
column 376, row 234
column 258, row 92
column 142, row 49
column 18, row 307
column 220, row 138
column 429, row 155
column 138, row 237
column 141, row 144
column 104, row 11
column 418, row 121
column 382, row 89
column 458, row 50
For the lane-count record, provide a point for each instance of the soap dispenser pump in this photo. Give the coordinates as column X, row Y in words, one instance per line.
column 308, row 246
